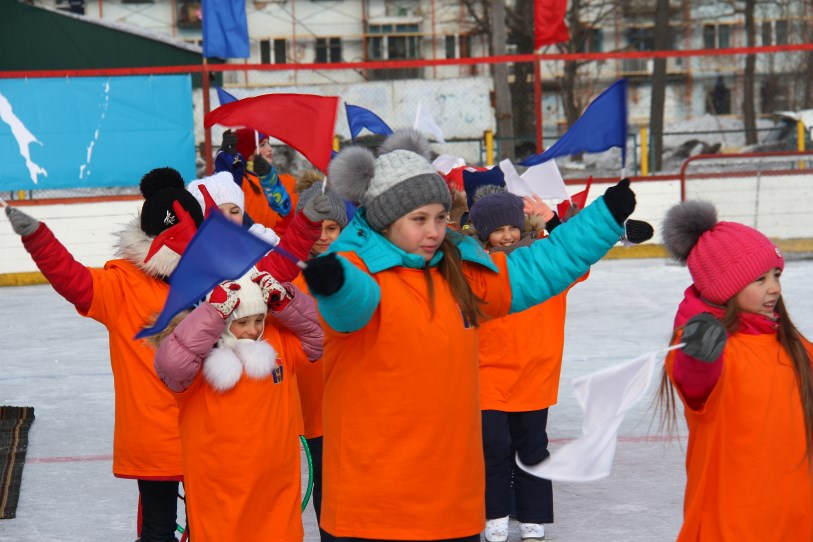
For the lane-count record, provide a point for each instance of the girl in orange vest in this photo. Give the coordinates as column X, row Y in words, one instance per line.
column 520, row 362
column 744, row 377
column 400, row 302
column 239, row 437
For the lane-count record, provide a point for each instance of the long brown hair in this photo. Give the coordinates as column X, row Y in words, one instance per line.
column 451, row 268
column 791, row 340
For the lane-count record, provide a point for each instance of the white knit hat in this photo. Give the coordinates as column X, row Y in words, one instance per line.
column 251, row 297
column 221, row 187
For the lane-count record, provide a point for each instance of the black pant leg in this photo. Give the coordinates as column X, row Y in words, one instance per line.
column 315, row 445
column 534, row 496
column 498, row 459
column 159, row 510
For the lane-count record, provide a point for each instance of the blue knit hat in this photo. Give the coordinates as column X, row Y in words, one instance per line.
column 472, row 180
column 496, row 209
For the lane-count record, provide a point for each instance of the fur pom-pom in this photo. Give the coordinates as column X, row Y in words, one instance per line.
column 259, row 358
column 159, row 179
column 408, row 139
column 684, row 224
column 351, row 171
column 222, row 369
column 307, row 178
column 486, row 190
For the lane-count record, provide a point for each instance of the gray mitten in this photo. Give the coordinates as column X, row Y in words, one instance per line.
column 21, row 223
column 318, row 208
column 704, row 337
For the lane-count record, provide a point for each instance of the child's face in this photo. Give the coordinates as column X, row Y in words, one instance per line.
column 504, row 236
column 761, row 296
column 420, row 231
column 248, row 327
column 232, row 212
column 330, row 232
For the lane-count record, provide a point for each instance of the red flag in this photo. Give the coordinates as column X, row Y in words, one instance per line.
column 549, row 22
column 305, row 122
column 580, row 199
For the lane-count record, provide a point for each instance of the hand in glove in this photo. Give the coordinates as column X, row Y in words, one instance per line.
column 229, row 142
column 704, row 337
column 620, row 200
column 318, row 208
column 324, row 275
column 224, row 298
column 261, row 166
column 273, row 292
column 21, row 223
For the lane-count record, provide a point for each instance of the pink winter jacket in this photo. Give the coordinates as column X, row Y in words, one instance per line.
column 180, row 356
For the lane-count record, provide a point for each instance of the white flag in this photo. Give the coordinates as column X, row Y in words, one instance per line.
column 514, row 183
column 424, row 122
column 445, row 163
column 546, row 181
column 605, row 397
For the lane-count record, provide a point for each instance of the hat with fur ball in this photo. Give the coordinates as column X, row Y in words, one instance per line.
column 495, row 207
column 222, row 189
column 401, row 179
column 723, row 257
column 162, row 187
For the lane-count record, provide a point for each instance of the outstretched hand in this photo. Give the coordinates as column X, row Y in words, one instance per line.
column 620, row 200
column 704, row 337
column 21, row 223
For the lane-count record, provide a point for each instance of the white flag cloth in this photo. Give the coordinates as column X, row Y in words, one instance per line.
column 514, row 183
column 605, row 397
column 445, row 163
column 543, row 180
column 424, row 122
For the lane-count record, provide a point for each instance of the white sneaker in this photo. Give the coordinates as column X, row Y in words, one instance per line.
column 531, row 532
column 497, row 530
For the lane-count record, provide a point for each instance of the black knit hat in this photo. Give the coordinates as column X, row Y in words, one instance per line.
column 160, row 188
column 496, row 209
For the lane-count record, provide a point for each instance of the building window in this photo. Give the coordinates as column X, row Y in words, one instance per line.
column 265, row 52
column 593, row 42
column 189, row 15
column 781, row 31
column 717, row 36
column 451, row 44
column 328, row 50
column 767, row 34
column 394, row 41
column 280, row 52
column 465, row 45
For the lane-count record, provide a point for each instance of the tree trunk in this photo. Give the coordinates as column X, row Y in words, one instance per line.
column 502, row 92
column 569, row 103
column 658, row 100
column 522, row 90
column 748, row 106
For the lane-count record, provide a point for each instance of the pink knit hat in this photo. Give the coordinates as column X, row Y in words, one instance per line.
column 723, row 257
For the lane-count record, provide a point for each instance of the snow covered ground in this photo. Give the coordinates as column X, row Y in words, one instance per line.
column 56, row 361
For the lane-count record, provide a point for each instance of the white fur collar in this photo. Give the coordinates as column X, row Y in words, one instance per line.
column 134, row 245
column 225, row 364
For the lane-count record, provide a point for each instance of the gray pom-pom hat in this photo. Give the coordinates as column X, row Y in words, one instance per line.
column 398, row 181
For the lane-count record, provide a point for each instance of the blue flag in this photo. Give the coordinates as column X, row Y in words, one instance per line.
column 224, row 29
column 359, row 118
column 603, row 125
column 224, row 97
column 220, row 250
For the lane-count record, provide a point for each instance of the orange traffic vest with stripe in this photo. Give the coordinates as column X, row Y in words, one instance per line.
column 146, row 442
column 403, row 450
column 748, row 472
column 241, row 453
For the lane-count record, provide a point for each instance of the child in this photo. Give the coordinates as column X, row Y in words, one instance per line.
column 309, row 379
column 123, row 296
column 400, row 301
column 240, row 444
column 520, row 361
column 744, row 377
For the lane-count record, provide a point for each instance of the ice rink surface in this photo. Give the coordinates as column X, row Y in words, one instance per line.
column 57, row 362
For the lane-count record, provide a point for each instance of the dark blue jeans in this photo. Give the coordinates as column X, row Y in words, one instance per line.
column 159, row 510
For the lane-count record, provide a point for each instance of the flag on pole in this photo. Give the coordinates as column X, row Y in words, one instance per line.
column 549, row 22
column 220, row 250
column 305, row 122
column 543, row 180
column 224, row 97
column 359, row 118
column 224, row 29
column 425, row 122
column 603, row 125
column 605, row 397
column 579, row 199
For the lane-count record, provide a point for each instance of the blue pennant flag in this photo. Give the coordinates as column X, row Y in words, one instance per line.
column 224, row 29
column 359, row 118
column 603, row 125
column 224, row 97
column 220, row 250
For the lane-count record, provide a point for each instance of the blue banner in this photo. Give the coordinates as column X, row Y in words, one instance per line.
column 94, row 131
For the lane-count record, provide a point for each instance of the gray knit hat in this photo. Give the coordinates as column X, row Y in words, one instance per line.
column 400, row 180
column 495, row 208
column 337, row 213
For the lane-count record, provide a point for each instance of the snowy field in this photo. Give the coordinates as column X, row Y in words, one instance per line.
column 56, row 361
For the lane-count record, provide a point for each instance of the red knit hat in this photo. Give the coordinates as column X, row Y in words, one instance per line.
column 723, row 257
column 246, row 142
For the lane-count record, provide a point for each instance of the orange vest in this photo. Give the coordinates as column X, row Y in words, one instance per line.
column 257, row 206
column 310, row 385
column 403, row 449
column 241, row 454
column 748, row 475
column 146, row 444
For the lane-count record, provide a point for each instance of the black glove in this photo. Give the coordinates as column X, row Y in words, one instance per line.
column 324, row 275
column 704, row 337
column 229, row 143
column 21, row 223
column 620, row 200
column 261, row 166
column 637, row 231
